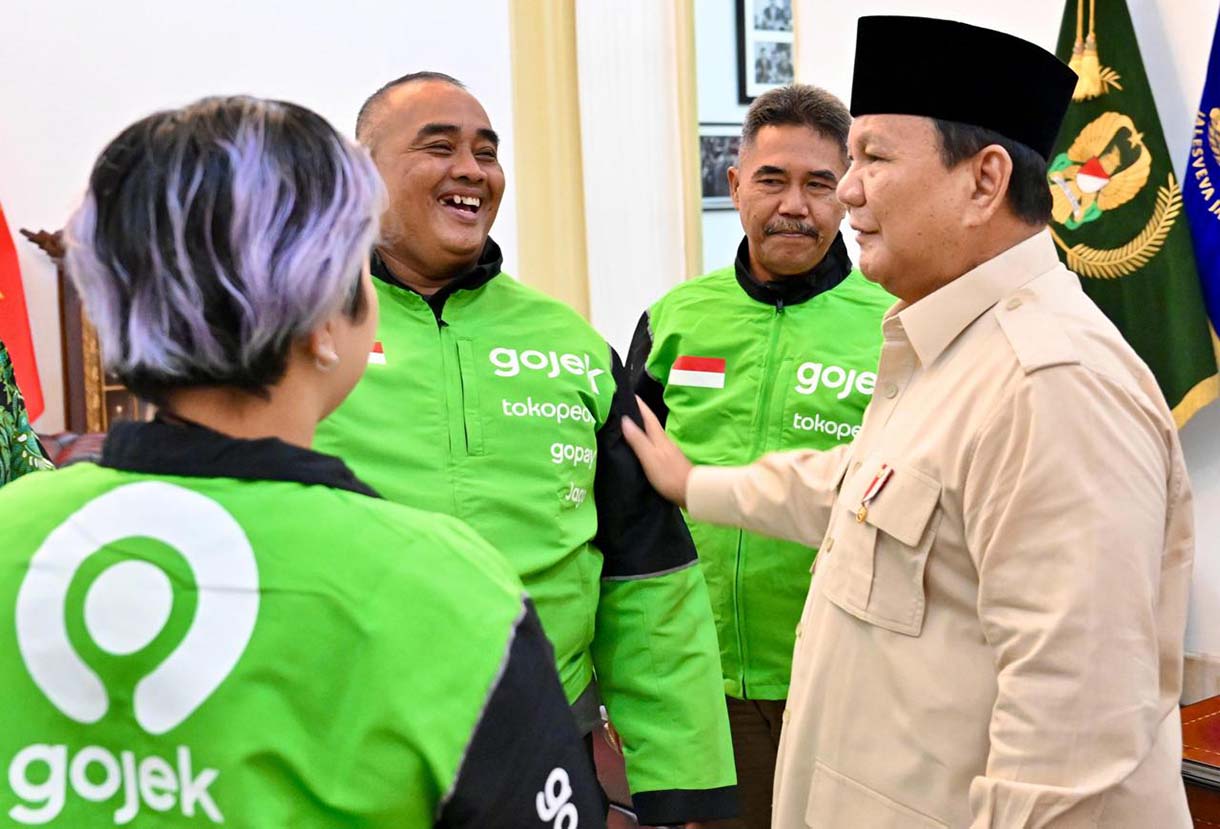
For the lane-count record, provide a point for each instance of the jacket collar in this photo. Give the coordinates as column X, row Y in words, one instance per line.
column 164, row 447
column 483, row 271
column 825, row 275
column 935, row 321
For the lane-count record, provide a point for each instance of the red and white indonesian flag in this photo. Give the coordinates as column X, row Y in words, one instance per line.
column 705, row 372
column 377, row 355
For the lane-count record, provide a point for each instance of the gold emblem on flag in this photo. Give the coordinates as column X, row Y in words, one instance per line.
column 1213, row 132
column 1105, row 167
column 1198, row 169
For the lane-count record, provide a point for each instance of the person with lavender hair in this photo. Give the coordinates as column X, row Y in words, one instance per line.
column 194, row 626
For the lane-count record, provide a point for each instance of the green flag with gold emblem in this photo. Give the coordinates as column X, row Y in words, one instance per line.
column 1117, row 217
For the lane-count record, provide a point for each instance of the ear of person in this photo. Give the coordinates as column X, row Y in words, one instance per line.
column 992, row 169
column 322, row 347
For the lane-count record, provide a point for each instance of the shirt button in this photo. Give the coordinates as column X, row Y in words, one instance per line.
column 798, row 631
column 785, row 717
column 1013, row 304
column 891, row 391
column 830, row 542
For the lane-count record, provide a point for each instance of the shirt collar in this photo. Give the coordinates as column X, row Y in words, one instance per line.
column 935, row 321
column 793, row 290
column 482, row 272
column 194, row 451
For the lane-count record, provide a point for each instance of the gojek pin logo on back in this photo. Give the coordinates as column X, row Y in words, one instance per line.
column 125, row 608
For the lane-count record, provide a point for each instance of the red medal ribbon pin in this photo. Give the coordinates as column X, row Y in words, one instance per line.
column 874, row 489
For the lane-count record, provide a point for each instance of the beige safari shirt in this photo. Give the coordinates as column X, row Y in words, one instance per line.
column 993, row 634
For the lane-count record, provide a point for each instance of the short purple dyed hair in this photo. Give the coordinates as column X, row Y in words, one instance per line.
column 215, row 235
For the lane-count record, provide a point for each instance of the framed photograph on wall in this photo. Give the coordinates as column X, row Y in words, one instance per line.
column 765, row 40
column 718, row 145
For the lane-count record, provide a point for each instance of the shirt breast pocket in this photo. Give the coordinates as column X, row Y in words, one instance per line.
column 879, row 553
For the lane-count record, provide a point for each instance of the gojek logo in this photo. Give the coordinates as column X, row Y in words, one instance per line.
column 554, row 801
column 125, row 608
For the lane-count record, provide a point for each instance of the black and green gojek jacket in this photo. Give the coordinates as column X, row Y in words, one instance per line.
column 496, row 404
column 204, row 631
column 736, row 368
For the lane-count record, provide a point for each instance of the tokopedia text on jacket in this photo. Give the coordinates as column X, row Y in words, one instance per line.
column 736, row 368
column 494, row 403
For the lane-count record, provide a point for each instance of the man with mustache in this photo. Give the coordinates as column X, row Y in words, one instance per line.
column 993, row 635
column 776, row 351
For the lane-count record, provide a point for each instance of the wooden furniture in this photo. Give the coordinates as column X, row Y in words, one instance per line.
column 1201, row 761
column 93, row 399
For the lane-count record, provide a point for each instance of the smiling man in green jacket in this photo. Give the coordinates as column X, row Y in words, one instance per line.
column 777, row 351
column 521, row 439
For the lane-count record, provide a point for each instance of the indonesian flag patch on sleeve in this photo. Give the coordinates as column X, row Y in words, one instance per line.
column 704, row 372
column 377, row 355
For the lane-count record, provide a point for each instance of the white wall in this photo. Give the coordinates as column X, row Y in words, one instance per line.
column 631, row 143
column 716, row 59
column 77, row 71
column 1175, row 37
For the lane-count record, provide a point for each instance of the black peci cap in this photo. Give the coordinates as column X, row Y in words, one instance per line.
column 958, row 72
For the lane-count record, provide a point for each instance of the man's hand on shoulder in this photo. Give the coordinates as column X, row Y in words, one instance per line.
column 666, row 467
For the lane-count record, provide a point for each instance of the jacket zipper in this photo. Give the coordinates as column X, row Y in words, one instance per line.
column 762, row 419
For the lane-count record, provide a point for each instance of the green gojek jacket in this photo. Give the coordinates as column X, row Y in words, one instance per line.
column 736, row 369
column 206, row 631
column 496, row 404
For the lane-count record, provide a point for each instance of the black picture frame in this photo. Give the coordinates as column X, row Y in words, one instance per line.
column 715, row 140
column 765, row 47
